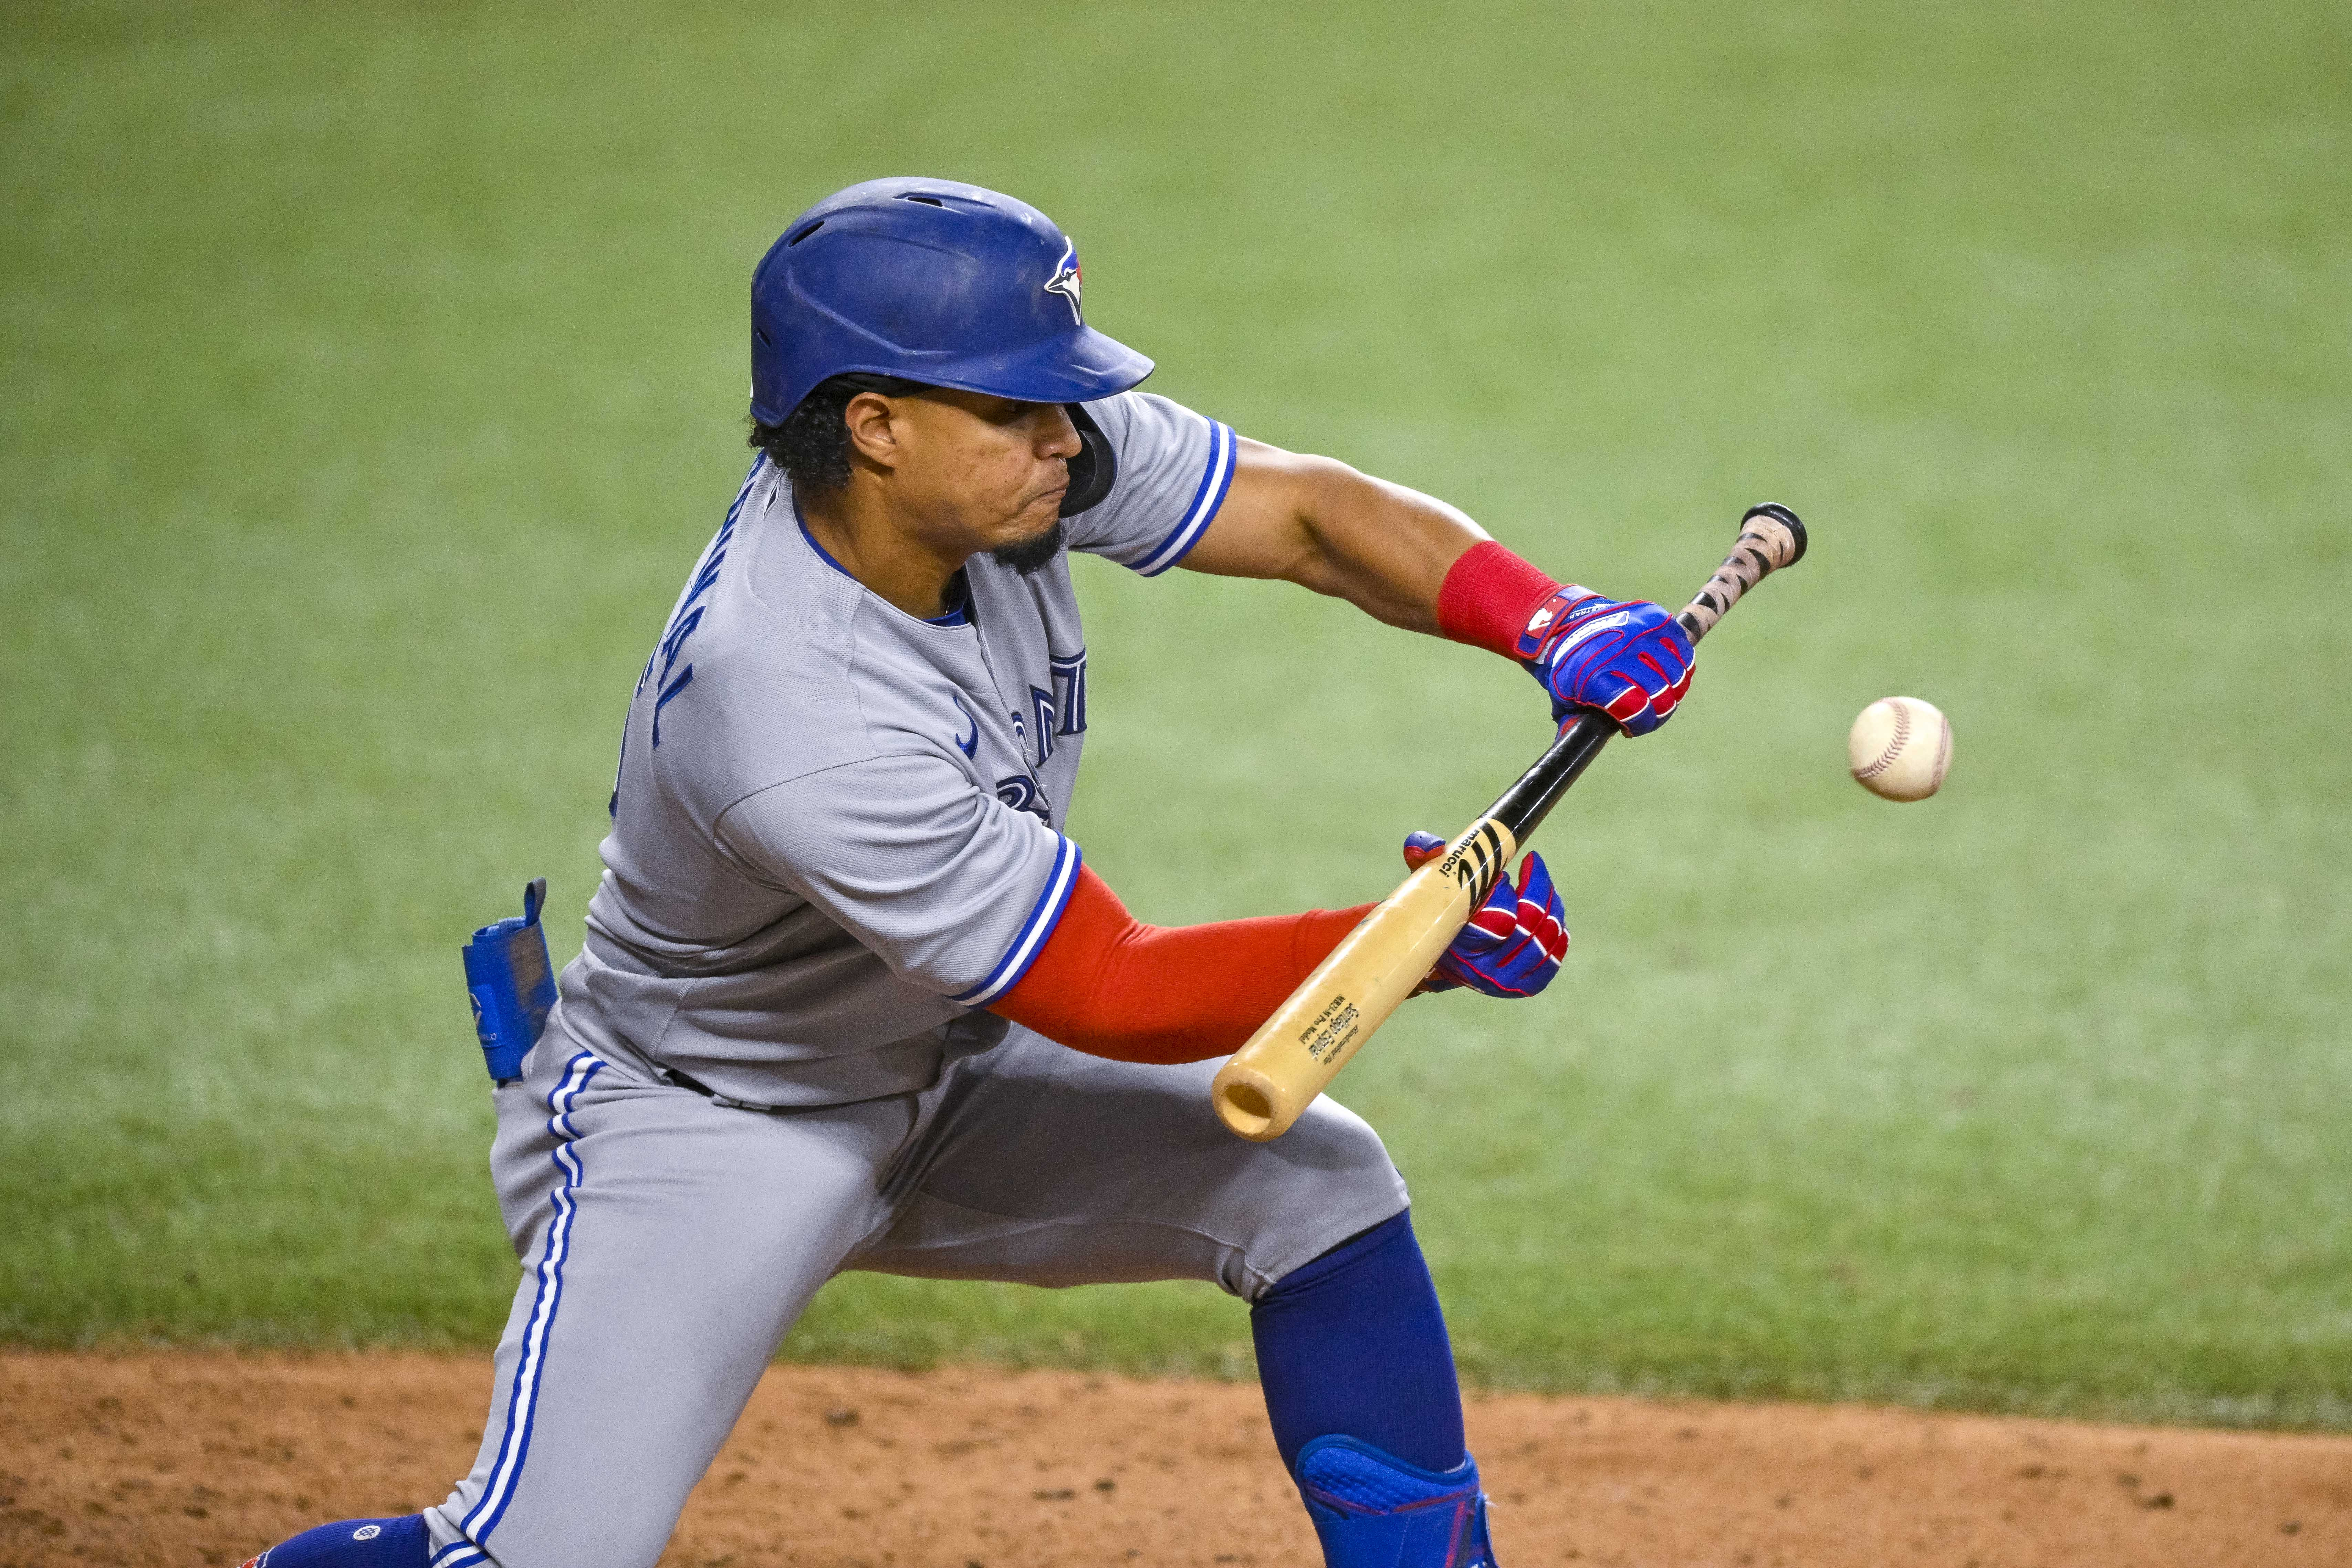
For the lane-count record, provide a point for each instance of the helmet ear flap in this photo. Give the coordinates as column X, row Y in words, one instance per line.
column 1095, row 468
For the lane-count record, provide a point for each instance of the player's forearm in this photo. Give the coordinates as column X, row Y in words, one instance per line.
column 1320, row 523
column 1107, row 984
column 1416, row 563
column 1383, row 548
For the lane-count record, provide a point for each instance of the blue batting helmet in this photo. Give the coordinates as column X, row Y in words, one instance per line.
column 937, row 282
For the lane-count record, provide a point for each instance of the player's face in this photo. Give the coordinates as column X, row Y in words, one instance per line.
column 981, row 473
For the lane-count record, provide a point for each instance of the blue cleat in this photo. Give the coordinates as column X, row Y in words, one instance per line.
column 1373, row 1511
column 353, row 1544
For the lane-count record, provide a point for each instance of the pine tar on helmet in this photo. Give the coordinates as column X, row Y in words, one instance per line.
column 947, row 284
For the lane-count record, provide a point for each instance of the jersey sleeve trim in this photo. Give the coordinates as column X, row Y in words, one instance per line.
column 1043, row 916
column 1216, row 480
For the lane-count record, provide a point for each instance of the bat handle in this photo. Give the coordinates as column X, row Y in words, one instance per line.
column 1771, row 537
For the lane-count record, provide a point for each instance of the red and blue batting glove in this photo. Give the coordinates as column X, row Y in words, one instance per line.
column 1513, row 945
column 1631, row 660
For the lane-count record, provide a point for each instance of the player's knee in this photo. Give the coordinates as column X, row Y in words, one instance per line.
column 1340, row 1144
column 353, row 1544
column 1328, row 1178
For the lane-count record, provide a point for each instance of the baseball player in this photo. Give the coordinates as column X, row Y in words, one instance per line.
column 851, row 999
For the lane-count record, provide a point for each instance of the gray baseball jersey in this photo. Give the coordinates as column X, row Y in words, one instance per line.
column 836, row 828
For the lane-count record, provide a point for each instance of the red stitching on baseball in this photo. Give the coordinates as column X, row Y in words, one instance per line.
column 1894, row 747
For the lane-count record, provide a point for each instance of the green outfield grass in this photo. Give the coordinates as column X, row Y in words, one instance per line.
column 373, row 375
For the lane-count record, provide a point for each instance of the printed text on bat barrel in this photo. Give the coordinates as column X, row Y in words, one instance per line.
column 1331, row 1028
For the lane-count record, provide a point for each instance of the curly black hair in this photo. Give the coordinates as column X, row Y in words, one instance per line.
column 811, row 444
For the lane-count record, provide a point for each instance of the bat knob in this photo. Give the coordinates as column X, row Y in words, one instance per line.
column 1786, row 518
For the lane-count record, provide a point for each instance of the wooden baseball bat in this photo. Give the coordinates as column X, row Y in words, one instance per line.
column 1272, row 1079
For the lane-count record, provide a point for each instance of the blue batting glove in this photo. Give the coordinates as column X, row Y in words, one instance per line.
column 1631, row 660
column 1513, row 944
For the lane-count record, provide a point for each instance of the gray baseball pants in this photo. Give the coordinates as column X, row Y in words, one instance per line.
column 667, row 1243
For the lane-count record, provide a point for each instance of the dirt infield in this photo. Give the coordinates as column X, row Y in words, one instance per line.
column 170, row 1458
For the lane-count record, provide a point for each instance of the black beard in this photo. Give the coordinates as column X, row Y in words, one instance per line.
column 1031, row 555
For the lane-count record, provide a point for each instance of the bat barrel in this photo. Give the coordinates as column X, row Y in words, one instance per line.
column 1269, row 1083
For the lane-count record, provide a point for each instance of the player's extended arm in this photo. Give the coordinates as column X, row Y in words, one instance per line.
column 1317, row 522
column 1413, row 562
column 1107, row 984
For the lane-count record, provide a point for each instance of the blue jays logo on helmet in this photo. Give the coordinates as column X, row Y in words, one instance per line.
column 1065, row 280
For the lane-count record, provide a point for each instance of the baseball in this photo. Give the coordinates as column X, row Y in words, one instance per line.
column 1900, row 748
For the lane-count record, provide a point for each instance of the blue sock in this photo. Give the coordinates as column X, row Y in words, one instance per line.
column 1353, row 1345
column 354, row 1544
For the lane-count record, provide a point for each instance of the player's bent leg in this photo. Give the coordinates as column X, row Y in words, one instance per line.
column 1366, row 1411
column 667, row 1245
column 1043, row 1166
column 1354, row 1343
column 1040, row 1165
column 353, row 1544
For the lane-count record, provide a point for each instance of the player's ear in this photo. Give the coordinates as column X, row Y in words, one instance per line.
column 873, row 433
column 1094, row 469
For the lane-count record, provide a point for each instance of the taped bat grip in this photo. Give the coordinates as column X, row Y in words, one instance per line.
column 1771, row 537
column 1787, row 519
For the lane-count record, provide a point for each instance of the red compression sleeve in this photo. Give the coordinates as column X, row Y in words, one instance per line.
column 1488, row 597
column 1109, row 985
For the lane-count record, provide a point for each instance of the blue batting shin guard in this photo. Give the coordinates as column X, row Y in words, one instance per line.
column 1373, row 1509
column 1353, row 1343
column 353, row 1544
